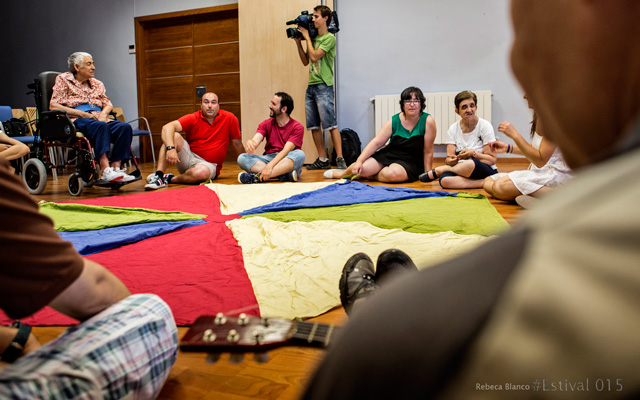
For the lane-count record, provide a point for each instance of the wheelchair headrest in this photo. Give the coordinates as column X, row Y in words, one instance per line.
column 46, row 80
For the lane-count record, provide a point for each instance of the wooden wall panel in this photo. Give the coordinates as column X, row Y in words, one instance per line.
column 269, row 62
column 167, row 34
column 170, row 62
column 232, row 108
column 170, row 91
column 235, row 109
column 159, row 116
column 221, row 30
column 225, row 86
column 217, row 58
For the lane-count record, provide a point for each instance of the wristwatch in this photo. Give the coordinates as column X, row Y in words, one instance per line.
column 170, row 148
column 17, row 345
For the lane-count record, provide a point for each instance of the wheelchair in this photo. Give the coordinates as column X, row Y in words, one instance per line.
column 58, row 145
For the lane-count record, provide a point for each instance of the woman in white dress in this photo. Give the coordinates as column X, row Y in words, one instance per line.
column 547, row 170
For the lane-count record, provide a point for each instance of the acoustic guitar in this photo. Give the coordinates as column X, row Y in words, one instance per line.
column 215, row 334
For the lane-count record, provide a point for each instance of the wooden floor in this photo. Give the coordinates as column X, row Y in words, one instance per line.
column 288, row 370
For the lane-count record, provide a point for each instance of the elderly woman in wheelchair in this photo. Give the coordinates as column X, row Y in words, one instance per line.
column 84, row 99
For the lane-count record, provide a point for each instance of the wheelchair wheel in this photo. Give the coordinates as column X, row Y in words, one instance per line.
column 34, row 174
column 75, row 184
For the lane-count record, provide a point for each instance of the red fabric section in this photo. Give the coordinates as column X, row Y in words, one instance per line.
column 198, row 270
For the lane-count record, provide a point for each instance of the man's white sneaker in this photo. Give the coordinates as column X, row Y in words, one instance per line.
column 109, row 174
column 127, row 177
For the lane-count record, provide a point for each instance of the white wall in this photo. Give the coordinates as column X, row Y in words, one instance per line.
column 383, row 47
column 439, row 46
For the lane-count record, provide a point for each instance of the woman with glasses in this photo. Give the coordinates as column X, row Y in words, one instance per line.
column 410, row 135
column 470, row 157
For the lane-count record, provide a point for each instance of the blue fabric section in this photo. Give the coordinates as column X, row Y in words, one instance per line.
column 95, row 241
column 349, row 192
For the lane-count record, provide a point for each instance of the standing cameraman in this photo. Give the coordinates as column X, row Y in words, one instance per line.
column 319, row 101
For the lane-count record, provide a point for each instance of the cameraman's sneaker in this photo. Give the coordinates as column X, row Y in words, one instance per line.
column 341, row 163
column 318, row 164
column 289, row 177
column 111, row 175
column 247, row 177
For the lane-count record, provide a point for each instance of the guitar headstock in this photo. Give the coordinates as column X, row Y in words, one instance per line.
column 220, row 334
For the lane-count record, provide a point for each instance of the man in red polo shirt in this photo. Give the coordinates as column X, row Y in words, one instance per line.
column 200, row 153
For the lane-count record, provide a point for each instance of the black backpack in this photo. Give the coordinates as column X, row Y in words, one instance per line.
column 15, row 127
column 351, row 147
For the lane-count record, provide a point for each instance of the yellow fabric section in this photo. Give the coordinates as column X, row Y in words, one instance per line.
column 295, row 267
column 237, row 198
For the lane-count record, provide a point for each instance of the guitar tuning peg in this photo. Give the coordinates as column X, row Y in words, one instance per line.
column 220, row 319
column 261, row 358
column 233, row 336
column 208, row 336
column 212, row 358
column 236, row 358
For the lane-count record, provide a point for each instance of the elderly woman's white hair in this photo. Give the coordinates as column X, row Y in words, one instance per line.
column 76, row 58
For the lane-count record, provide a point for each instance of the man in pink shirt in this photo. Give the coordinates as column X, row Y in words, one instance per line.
column 282, row 158
column 200, row 153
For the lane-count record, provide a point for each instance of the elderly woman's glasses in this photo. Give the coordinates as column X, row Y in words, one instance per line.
column 411, row 101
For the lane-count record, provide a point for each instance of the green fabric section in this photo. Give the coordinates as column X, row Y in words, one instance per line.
column 81, row 217
column 465, row 214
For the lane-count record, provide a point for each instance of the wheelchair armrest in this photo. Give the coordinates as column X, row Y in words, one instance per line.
column 52, row 113
column 56, row 124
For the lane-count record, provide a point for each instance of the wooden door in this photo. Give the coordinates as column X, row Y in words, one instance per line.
column 177, row 52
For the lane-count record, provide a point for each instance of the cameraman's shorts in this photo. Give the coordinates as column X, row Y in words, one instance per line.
column 319, row 107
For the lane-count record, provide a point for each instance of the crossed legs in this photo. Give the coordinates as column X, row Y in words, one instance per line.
column 373, row 170
column 503, row 188
column 461, row 179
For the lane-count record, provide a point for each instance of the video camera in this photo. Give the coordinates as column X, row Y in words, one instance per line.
column 305, row 20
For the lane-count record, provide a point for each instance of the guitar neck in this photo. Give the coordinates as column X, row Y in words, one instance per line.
column 312, row 334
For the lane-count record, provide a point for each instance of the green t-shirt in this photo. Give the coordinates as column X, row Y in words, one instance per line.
column 321, row 71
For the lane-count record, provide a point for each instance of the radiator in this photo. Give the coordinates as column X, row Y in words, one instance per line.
column 439, row 105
